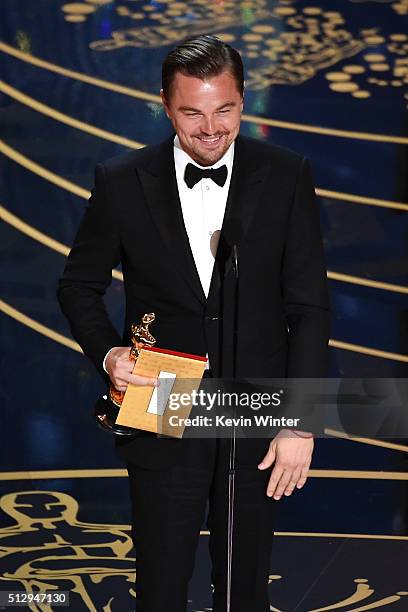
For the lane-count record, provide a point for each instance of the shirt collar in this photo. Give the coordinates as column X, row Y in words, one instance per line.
column 181, row 158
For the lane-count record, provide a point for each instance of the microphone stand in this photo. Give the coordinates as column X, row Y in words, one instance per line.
column 231, row 470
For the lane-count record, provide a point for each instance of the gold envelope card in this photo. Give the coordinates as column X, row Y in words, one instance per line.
column 148, row 407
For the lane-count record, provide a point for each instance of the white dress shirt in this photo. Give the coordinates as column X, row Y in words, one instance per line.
column 203, row 208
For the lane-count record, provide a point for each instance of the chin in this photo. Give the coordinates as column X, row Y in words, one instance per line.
column 211, row 157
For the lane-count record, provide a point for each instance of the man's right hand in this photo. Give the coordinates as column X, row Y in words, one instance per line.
column 120, row 367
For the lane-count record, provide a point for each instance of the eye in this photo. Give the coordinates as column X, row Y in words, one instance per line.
column 225, row 110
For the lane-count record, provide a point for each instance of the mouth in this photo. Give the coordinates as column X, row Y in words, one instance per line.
column 210, row 142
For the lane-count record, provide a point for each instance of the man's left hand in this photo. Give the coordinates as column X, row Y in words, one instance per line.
column 292, row 456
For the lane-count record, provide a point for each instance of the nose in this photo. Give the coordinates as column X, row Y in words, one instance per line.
column 208, row 125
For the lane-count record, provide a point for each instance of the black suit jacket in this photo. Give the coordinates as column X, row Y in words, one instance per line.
column 134, row 217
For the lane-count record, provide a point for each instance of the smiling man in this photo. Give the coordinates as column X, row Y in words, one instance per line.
column 205, row 114
column 159, row 212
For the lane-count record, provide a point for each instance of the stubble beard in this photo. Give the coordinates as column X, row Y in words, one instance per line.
column 209, row 157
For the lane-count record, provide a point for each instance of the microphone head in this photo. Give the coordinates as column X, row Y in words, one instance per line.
column 232, row 232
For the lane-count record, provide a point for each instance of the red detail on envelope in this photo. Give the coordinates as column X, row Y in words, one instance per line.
column 156, row 349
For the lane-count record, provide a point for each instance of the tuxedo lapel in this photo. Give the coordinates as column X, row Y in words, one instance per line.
column 159, row 185
column 247, row 182
column 248, row 175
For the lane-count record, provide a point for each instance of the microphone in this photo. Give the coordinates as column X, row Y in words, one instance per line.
column 232, row 234
column 228, row 246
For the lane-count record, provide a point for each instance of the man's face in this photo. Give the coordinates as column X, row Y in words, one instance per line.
column 206, row 115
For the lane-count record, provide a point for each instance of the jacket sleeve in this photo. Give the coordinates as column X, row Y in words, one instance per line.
column 88, row 273
column 304, row 284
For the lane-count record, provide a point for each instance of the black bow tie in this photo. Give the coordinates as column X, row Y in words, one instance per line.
column 193, row 175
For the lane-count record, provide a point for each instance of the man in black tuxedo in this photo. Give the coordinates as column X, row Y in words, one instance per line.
column 159, row 212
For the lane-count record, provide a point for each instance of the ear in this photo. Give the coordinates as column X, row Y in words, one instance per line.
column 243, row 96
column 165, row 104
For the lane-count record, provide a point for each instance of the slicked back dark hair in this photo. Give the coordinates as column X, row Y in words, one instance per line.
column 204, row 57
